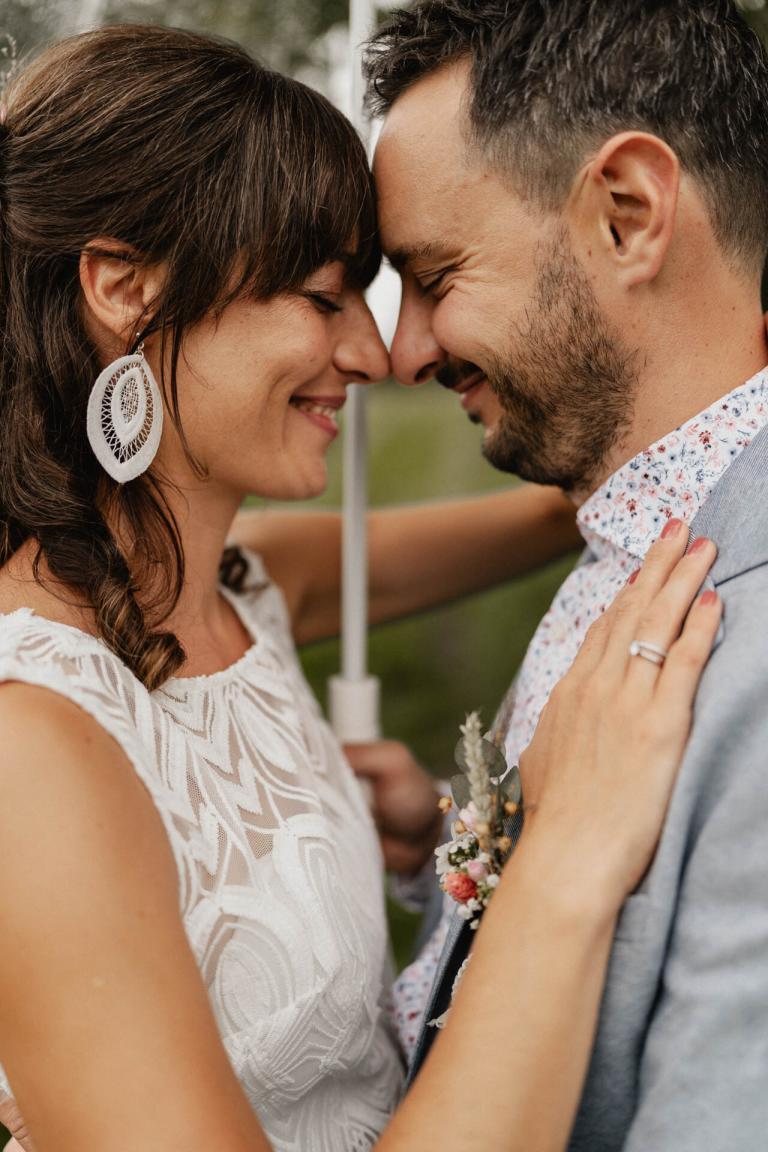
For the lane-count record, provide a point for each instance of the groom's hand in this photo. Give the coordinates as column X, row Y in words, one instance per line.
column 404, row 802
column 14, row 1122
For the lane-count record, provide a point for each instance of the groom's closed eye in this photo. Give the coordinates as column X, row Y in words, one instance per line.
column 430, row 282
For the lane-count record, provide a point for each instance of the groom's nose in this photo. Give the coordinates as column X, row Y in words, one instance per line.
column 415, row 353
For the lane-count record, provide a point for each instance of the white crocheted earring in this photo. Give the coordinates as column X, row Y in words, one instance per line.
column 125, row 417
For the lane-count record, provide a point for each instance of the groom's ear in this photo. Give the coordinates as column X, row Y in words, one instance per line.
column 624, row 203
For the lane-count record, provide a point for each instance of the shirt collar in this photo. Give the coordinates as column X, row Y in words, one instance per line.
column 675, row 476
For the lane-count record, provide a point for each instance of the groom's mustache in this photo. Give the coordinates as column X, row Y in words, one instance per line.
column 457, row 372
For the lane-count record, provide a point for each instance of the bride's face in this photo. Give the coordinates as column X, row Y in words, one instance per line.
column 261, row 385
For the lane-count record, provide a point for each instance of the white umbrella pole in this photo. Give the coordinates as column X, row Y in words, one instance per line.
column 354, row 695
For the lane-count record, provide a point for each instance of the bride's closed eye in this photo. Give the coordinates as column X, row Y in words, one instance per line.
column 325, row 301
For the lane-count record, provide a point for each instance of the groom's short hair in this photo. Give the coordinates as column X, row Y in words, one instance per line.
column 551, row 80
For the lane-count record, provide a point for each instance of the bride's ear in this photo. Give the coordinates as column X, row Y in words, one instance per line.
column 118, row 292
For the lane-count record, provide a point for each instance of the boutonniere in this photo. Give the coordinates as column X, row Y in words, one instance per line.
column 486, row 795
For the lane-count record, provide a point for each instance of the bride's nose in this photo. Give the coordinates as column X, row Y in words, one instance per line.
column 360, row 354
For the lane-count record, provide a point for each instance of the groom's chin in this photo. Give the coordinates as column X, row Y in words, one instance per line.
column 500, row 453
column 509, row 455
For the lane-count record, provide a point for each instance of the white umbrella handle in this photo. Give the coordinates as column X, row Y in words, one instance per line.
column 354, row 709
column 354, row 695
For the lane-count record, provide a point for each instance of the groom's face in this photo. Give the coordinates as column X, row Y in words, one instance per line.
column 495, row 304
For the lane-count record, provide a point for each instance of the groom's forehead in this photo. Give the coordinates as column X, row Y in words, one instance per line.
column 433, row 204
column 417, row 232
column 416, row 209
column 422, row 135
column 423, row 188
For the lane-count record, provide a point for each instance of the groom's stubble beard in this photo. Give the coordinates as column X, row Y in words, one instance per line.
column 567, row 386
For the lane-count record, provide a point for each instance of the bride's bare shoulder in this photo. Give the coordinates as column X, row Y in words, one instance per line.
column 56, row 756
column 30, row 712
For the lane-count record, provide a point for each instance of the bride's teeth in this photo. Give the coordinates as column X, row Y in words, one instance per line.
column 319, row 409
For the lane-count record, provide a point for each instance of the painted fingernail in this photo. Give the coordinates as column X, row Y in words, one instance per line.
column 671, row 528
column 699, row 544
column 708, row 598
column 634, row 576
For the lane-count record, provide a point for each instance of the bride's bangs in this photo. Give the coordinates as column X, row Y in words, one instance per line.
column 310, row 197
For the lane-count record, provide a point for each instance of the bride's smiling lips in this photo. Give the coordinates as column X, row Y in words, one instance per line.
column 321, row 410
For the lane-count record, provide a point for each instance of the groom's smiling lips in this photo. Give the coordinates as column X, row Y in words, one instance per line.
column 470, row 389
column 465, row 382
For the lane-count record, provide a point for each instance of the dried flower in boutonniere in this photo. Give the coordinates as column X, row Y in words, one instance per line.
column 487, row 795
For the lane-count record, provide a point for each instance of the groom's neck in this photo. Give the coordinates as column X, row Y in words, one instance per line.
column 693, row 348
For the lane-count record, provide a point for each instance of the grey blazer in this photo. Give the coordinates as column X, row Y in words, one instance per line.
column 680, row 1060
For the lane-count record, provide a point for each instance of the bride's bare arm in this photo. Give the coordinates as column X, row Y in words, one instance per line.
column 419, row 556
column 106, row 1032
column 508, row 1070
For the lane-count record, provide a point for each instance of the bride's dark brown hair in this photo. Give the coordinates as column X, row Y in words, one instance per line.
column 186, row 152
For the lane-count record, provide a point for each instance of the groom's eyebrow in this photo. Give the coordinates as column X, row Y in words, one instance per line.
column 402, row 257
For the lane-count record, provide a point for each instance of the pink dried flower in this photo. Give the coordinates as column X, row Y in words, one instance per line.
column 460, row 886
column 476, row 870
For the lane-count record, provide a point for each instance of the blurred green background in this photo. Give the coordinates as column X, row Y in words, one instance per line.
column 437, row 667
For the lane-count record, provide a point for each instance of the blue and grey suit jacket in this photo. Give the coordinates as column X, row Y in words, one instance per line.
column 680, row 1059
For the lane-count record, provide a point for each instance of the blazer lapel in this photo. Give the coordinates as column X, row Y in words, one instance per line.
column 455, row 951
column 736, row 522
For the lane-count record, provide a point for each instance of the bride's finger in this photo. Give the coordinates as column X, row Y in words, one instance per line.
column 659, row 563
column 664, row 616
column 593, row 645
column 677, row 683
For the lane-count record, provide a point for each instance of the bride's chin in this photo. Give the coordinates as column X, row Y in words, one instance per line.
column 305, row 484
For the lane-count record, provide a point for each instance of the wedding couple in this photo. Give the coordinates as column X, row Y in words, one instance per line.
column 194, row 947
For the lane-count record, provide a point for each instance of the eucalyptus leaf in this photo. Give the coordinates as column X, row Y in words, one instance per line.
column 493, row 757
column 460, row 790
column 495, row 760
column 459, row 757
column 511, row 785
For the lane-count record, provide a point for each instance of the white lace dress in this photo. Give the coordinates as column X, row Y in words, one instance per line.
column 280, row 877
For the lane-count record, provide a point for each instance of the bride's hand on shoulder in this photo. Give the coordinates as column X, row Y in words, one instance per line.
column 600, row 770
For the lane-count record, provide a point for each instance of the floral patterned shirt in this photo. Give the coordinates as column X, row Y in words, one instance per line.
column 619, row 522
